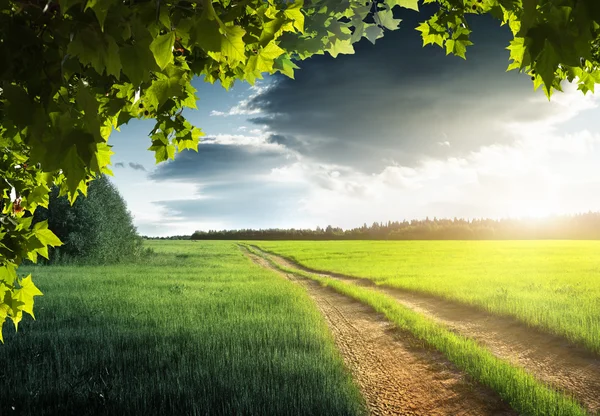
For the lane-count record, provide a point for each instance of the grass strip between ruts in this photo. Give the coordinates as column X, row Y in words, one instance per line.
column 520, row 389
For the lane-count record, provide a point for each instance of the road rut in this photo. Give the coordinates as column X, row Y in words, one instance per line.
column 396, row 374
column 551, row 359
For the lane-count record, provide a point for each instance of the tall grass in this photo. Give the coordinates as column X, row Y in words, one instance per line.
column 552, row 285
column 521, row 390
column 196, row 330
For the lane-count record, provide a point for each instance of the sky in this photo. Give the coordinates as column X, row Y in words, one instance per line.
column 395, row 131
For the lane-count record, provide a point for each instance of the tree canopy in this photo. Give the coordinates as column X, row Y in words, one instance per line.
column 72, row 71
column 96, row 229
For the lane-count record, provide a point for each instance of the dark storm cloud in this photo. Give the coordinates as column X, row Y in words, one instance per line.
column 137, row 166
column 216, row 162
column 278, row 139
column 397, row 101
column 290, row 142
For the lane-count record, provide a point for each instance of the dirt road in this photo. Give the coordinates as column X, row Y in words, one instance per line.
column 396, row 374
column 550, row 358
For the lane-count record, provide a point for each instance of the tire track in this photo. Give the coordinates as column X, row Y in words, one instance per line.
column 552, row 359
column 396, row 374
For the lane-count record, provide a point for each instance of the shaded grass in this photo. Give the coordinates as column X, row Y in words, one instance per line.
column 518, row 388
column 197, row 329
column 552, row 285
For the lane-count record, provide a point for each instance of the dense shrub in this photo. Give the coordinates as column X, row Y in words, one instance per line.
column 96, row 229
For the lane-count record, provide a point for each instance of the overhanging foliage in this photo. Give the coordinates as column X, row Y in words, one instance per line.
column 72, row 71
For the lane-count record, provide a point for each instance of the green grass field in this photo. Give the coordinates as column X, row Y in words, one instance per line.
column 520, row 389
column 553, row 285
column 195, row 329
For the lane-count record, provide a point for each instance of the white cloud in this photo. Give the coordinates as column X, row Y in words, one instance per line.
column 543, row 172
column 244, row 107
column 142, row 194
column 562, row 108
column 236, row 139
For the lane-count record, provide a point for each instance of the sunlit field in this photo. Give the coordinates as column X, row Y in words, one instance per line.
column 522, row 389
column 196, row 329
column 553, row 285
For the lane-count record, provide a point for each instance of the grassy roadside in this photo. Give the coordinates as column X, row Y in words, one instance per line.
column 552, row 285
column 518, row 388
column 197, row 329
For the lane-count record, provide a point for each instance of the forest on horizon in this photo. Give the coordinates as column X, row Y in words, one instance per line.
column 584, row 226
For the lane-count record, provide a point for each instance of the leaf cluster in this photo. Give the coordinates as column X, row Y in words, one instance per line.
column 553, row 40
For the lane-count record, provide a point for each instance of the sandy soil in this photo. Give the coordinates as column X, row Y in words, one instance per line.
column 552, row 359
column 396, row 374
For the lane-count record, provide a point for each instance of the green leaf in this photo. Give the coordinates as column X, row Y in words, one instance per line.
column 264, row 60
column 341, row 47
column 103, row 154
column 232, row 44
column 517, row 52
column 164, row 17
column 359, row 30
column 101, row 157
column 19, row 106
column 25, row 295
column 3, row 315
column 528, row 16
column 100, row 8
column 74, row 169
column 429, row 36
column 270, row 31
column 164, row 88
column 39, row 195
column 65, row 5
column 386, row 18
column 190, row 100
column 8, row 274
column 546, row 66
column 407, row 4
column 285, row 65
column 340, row 30
column 15, row 307
column 373, row 32
column 88, row 103
column 45, row 235
column 162, row 49
column 98, row 50
column 205, row 33
column 294, row 12
column 457, row 47
column 190, row 140
column 162, row 151
column 271, row 51
column 138, row 61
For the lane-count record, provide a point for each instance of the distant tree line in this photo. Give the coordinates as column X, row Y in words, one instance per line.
column 171, row 237
column 578, row 227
